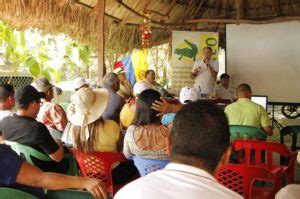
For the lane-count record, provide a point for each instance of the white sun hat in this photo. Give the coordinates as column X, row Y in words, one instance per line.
column 139, row 87
column 87, row 106
column 79, row 82
column 188, row 93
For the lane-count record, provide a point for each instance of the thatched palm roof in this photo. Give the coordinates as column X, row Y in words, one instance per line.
column 78, row 18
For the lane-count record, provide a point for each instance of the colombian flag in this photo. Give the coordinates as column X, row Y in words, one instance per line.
column 136, row 65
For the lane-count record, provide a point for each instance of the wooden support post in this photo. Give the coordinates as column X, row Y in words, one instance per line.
column 101, row 41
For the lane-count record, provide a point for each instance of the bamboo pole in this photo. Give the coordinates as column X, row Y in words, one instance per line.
column 101, row 64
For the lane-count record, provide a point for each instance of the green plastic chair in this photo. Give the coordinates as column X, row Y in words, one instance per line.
column 10, row 193
column 64, row 105
column 68, row 193
column 246, row 133
column 29, row 152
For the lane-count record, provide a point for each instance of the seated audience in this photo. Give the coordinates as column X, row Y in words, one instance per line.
column 128, row 110
column 198, row 128
column 79, row 83
column 125, row 86
column 146, row 137
column 115, row 102
column 246, row 112
column 187, row 95
column 7, row 101
column 24, row 129
column 16, row 173
column 50, row 114
column 150, row 78
column 223, row 91
column 88, row 132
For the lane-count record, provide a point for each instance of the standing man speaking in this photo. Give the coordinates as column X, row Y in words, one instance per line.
column 205, row 72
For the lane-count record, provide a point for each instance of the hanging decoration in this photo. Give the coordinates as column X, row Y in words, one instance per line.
column 145, row 27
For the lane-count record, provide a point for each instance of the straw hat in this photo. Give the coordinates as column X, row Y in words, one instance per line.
column 87, row 106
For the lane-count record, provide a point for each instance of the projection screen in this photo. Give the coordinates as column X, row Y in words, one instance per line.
column 267, row 57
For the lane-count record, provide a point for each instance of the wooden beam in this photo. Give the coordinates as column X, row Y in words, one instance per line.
column 101, row 41
column 243, row 21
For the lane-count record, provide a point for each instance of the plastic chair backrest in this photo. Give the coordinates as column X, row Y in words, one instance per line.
column 240, row 178
column 99, row 165
column 269, row 148
column 14, row 194
column 27, row 152
column 246, row 133
column 68, row 193
column 64, row 105
column 145, row 165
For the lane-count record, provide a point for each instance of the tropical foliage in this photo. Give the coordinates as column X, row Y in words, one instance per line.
column 55, row 57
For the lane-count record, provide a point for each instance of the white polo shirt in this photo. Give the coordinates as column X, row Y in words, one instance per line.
column 204, row 78
column 5, row 113
column 223, row 93
column 176, row 181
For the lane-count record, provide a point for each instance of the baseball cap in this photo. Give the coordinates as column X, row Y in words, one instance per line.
column 119, row 70
column 79, row 82
column 139, row 87
column 188, row 94
column 27, row 94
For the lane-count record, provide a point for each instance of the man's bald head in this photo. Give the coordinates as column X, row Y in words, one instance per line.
column 244, row 91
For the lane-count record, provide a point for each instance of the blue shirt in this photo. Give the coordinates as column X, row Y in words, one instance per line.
column 10, row 165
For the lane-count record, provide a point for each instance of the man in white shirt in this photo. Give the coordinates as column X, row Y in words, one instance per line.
column 223, row 91
column 7, row 101
column 198, row 145
column 205, row 72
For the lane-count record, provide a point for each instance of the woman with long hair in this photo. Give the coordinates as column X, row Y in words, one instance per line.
column 146, row 137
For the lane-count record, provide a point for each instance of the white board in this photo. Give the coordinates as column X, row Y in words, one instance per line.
column 267, row 57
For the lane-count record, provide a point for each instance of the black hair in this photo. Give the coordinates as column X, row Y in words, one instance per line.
column 144, row 114
column 200, row 131
column 243, row 88
column 224, row 75
column 148, row 72
column 6, row 90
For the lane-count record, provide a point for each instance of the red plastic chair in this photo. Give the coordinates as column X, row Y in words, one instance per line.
column 269, row 148
column 241, row 178
column 99, row 165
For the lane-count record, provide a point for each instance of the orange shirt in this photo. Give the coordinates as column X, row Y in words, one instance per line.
column 53, row 116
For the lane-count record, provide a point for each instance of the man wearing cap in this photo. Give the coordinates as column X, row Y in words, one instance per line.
column 50, row 114
column 24, row 129
column 223, row 91
column 125, row 90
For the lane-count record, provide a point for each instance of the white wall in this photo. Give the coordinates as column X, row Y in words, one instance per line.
column 267, row 57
